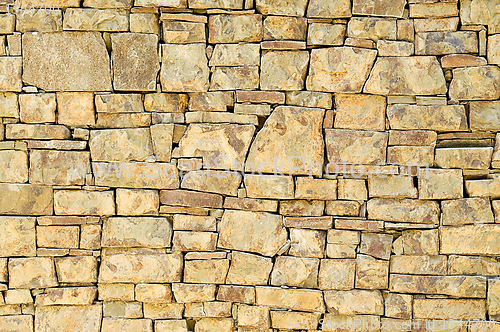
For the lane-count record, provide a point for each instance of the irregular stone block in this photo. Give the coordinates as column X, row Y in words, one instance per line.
column 235, row 55
column 301, row 208
column 480, row 240
column 341, row 69
column 184, row 68
column 248, row 269
column 144, row 23
column 434, row 10
column 378, row 8
column 436, row 24
column 440, row 184
column 67, row 296
column 283, row 70
column 136, row 232
column 9, row 105
column 468, row 158
column 48, row 63
column 36, row 131
column 190, row 198
column 484, row 115
column 171, row 326
column 354, row 302
column 371, row 28
column 156, row 268
column 398, row 305
column 82, row 202
column 449, row 309
column 35, row 272
column 297, row 146
column 177, row 32
column 304, row 275
column 281, row 7
column 235, row 28
column 220, row 145
column 107, row 3
column 285, row 28
column 307, row 243
column 475, row 83
column 456, row 286
column 308, row 188
column 14, row 166
column 466, row 211
column 392, row 187
column 329, row 9
column 96, row 19
column 337, row 274
column 406, row 264
column 165, row 102
column 394, row 48
column 467, row 265
column 208, row 4
column 137, row 202
column 208, row 271
column 16, row 323
column 371, row 273
column 413, row 137
column 235, row 78
column 194, row 241
column 268, row 186
column 440, row 43
column 258, row 226
column 404, row 210
column 219, row 182
column 364, row 112
column 135, row 61
column 57, row 236
column 344, row 146
column 75, row 108
column 25, row 199
column 421, row 242
column 411, row 155
column 76, row 269
column 480, row 12
column 86, row 318
column 190, row 293
column 290, row 299
column 18, row 236
column 326, row 34
column 120, row 144
column 406, row 76
column 10, row 71
column 37, row 108
column 439, row 118
column 53, row 167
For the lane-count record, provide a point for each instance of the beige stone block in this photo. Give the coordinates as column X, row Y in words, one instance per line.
column 449, row 309
column 150, row 232
column 144, row 23
column 440, row 184
column 364, row 112
column 408, row 264
column 194, row 241
column 328, row 9
column 87, row 318
column 253, row 317
column 421, row 242
column 444, row 9
column 354, row 302
column 343, row 146
column 307, row 243
column 77, row 269
column 67, row 296
column 194, row 223
column 281, row 7
column 35, row 272
column 398, row 305
column 137, row 202
column 371, row 28
column 191, row 293
column 14, row 165
column 117, row 324
column 153, row 293
column 446, row 42
column 326, row 34
column 210, row 271
column 248, row 269
column 82, row 202
column 290, row 299
column 371, row 273
column 96, row 19
column 121, row 309
column 285, row 28
column 57, row 236
column 234, row 28
column 171, row 326
column 75, row 109
column 120, row 144
column 295, row 272
column 475, row 83
column 18, row 296
column 337, row 274
column 470, row 265
column 37, row 108
column 16, row 323
column 52, row 167
column 116, row 292
column 177, row 32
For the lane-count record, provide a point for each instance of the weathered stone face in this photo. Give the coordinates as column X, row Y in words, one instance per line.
column 342, row 69
column 329, row 9
column 475, row 83
column 234, row 28
column 87, row 318
column 371, row 28
column 35, row 272
column 137, row 232
column 17, row 236
column 289, row 140
column 439, row 43
column 120, row 144
column 265, row 232
column 283, row 70
column 352, row 146
column 360, row 112
column 66, row 61
column 405, row 210
column 406, row 76
column 25, row 199
column 378, row 8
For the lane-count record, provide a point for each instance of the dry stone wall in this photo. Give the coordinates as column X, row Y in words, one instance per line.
column 225, row 165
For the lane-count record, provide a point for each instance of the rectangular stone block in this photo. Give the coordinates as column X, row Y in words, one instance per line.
column 78, row 270
column 485, row 115
column 51, row 167
column 35, row 272
column 147, row 232
column 26, row 199
column 438, row 118
column 156, row 268
column 354, row 302
column 405, row 210
column 108, row 144
column 234, row 28
column 467, row 158
column 96, row 19
column 440, row 43
column 479, row 240
column 421, row 264
column 36, row 131
column 18, row 236
column 449, row 309
column 82, row 202
column 86, row 318
column 67, row 296
column 269, row 186
column 14, row 166
column 343, row 146
column 290, row 299
column 440, row 184
column 57, row 236
column 456, row 286
column 190, row 198
column 177, row 32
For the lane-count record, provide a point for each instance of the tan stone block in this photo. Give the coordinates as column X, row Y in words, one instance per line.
column 328, row 9
column 96, row 19
column 211, row 271
column 194, row 241
column 469, row 158
column 287, row 319
column 439, row 118
column 251, row 204
column 283, row 70
column 14, row 165
column 58, row 167
column 301, row 208
column 394, row 48
column 154, row 293
column 371, row 273
column 117, row 324
column 158, row 3
column 37, row 108
column 248, row 269
column 466, row 211
column 352, row 189
column 214, row 325
column 354, row 302
column 190, row 293
column 39, row 20
column 57, row 236
column 449, row 309
column 333, row 322
column 467, row 265
column 9, row 105
column 25, row 199
column 267, row 186
column 371, row 28
column 116, row 292
column 18, row 296
column 285, row 28
column 36, row 131
column 440, row 184
column 121, row 309
column 163, row 310
column 326, row 34
column 187, row 68
column 165, row 102
column 171, row 326
column 157, row 268
column 82, row 202
column 405, row 210
column 411, row 155
column 16, row 323
column 406, row 264
column 238, row 294
column 342, row 208
column 212, row 143
column 475, row 83
column 190, row 198
column 208, row 4
column 378, row 8
column 484, row 115
column 87, row 318
column 295, row 272
column 144, row 23
column 120, row 144
column 398, row 305
column 337, row 274
column 75, row 108
column 220, row 182
column 436, row 24
column 343, row 69
column 290, row 299
column 177, row 32
column 445, row 42
column 343, row 146
column 10, row 68
column 307, row 243
column 421, row 242
column 234, row 28
column 406, row 76
column 36, row 272
column 392, row 186
column 365, row 112
column 67, row 296
column 456, row 286
column 376, row 245
column 360, row 224
column 235, row 55
column 77, row 269
column 478, row 240
column 137, row 202
column 442, row 9
column 271, row 97
column 235, row 78
column 57, row 70
column 136, row 232
column 253, row 316
column 309, row 222
column 281, row 7
column 194, row 223
column 211, row 101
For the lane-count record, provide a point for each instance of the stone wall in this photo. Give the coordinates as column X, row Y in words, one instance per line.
column 225, row 165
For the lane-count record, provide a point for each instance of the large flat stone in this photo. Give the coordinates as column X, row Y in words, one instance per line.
column 481, row 240
column 86, row 318
column 136, row 232
column 66, row 61
column 25, row 199
column 438, row 118
column 291, row 299
column 340, row 69
column 455, row 309
column 481, row 12
column 258, row 232
column 475, row 83
column 356, row 146
column 130, row 268
column 17, row 236
column 404, row 210
column 446, row 42
column 406, row 76
column 456, row 286
column 291, row 138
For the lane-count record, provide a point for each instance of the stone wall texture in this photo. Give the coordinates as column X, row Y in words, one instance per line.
column 249, row 166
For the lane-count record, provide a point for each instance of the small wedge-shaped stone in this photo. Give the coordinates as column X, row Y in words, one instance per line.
column 96, row 19
column 66, row 61
column 475, row 83
column 439, row 118
column 292, row 138
column 82, row 318
column 290, row 299
column 184, row 68
column 220, row 145
column 136, row 232
column 17, row 236
column 468, row 158
column 481, row 240
column 25, row 199
column 404, row 210
column 406, row 76
column 445, row 42
column 130, row 268
column 340, row 69
column 258, row 232
column 120, row 144
column 392, row 8
column 356, row 146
